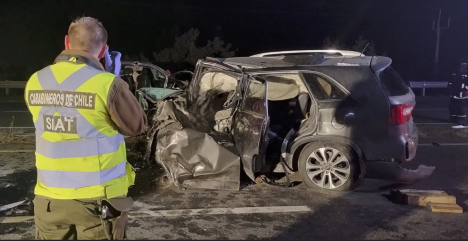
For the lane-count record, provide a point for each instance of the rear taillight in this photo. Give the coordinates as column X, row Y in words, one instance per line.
column 400, row 114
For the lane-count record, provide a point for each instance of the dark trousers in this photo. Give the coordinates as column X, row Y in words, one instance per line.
column 458, row 109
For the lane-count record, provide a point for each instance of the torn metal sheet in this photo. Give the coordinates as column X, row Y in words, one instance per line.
column 11, row 205
column 193, row 154
column 194, row 159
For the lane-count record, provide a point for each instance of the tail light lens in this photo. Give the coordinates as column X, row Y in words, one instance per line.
column 400, row 114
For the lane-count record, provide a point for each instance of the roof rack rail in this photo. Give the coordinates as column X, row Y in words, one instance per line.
column 321, row 51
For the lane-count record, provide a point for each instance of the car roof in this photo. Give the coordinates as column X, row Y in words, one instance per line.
column 322, row 51
column 375, row 62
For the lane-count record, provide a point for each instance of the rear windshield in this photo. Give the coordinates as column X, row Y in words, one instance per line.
column 392, row 82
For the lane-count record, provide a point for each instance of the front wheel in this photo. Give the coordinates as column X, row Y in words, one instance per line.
column 329, row 166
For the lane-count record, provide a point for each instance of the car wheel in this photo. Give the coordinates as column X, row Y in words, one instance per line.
column 329, row 166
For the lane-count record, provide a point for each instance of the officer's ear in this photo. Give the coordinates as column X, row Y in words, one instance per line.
column 103, row 51
column 67, row 43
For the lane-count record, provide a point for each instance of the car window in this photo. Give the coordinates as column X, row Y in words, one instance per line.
column 323, row 88
column 255, row 97
column 393, row 84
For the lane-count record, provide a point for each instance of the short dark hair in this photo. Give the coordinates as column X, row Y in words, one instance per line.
column 87, row 34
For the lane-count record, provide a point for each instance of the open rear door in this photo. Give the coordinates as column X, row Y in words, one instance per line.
column 251, row 125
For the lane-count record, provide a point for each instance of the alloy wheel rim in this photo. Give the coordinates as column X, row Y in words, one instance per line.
column 328, row 168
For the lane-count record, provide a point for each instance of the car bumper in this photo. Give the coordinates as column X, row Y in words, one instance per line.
column 391, row 170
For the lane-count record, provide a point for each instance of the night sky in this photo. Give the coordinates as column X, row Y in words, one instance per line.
column 32, row 32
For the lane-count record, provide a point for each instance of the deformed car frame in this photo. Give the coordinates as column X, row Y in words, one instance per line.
column 335, row 120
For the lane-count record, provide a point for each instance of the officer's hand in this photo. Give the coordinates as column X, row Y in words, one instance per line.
column 107, row 61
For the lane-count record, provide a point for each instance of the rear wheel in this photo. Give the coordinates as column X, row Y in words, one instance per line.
column 329, row 166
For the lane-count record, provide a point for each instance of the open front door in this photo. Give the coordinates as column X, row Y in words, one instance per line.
column 251, row 125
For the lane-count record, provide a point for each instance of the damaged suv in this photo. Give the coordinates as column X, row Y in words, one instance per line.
column 335, row 120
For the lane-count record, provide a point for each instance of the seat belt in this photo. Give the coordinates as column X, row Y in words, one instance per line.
column 78, row 58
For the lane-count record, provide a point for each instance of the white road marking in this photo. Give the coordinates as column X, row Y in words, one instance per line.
column 219, row 211
column 443, row 144
column 190, row 212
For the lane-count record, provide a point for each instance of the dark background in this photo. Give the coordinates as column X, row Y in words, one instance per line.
column 32, row 32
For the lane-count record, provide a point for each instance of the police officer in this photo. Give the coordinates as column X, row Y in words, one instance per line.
column 81, row 114
column 458, row 91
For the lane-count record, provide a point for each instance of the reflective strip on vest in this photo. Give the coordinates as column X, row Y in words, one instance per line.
column 94, row 143
column 68, row 179
column 79, row 148
column 48, row 82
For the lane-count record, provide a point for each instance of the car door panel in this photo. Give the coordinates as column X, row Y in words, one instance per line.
column 250, row 127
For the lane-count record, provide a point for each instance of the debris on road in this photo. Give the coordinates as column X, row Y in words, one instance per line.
column 10, row 230
column 444, row 208
column 11, row 205
column 422, row 197
column 436, row 200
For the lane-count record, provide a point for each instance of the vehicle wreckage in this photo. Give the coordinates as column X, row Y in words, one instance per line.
column 335, row 120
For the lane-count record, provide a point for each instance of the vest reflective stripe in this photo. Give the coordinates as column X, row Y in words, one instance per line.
column 67, row 179
column 47, row 81
column 88, row 142
column 79, row 148
column 71, row 83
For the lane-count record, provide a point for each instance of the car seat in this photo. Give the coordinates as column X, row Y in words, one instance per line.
column 302, row 106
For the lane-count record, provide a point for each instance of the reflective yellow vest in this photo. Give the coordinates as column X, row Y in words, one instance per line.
column 79, row 152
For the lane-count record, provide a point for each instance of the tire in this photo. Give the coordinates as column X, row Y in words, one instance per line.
column 316, row 173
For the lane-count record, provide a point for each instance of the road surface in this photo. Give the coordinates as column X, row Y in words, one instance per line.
column 263, row 211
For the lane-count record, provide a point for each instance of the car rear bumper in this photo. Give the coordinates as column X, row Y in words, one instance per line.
column 391, row 170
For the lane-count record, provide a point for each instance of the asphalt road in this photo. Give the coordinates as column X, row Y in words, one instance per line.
column 294, row 213
column 263, row 211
